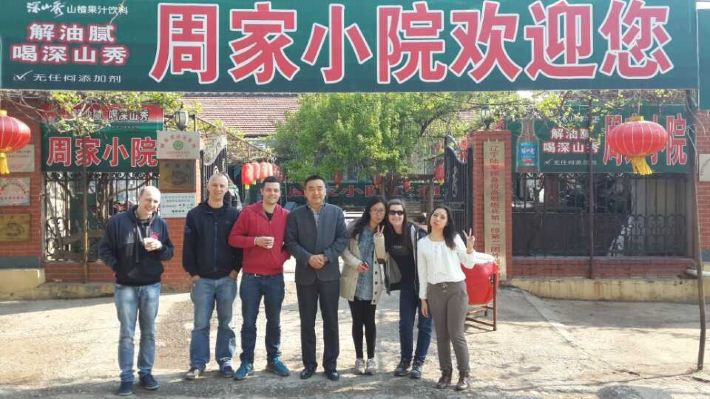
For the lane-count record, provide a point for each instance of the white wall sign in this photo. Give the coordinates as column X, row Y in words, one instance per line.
column 176, row 205
column 174, row 144
column 703, row 170
column 22, row 160
column 15, row 191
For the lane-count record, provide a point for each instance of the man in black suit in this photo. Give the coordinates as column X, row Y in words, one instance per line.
column 316, row 235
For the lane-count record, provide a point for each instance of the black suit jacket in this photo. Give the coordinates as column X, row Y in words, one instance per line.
column 303, row 240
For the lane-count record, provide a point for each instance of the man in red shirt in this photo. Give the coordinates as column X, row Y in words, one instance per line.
column 260, row 232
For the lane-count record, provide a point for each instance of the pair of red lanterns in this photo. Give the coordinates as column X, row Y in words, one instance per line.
column 14, row 135
column 258, row 171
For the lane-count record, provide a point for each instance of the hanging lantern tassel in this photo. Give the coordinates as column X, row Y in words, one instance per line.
column 637, row 139
column 14, row 134
column 4, row 167
column 640, row 166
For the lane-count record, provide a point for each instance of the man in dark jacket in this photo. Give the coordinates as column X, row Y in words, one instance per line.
column 260, row 231
column 134, row 246
column 316, row 235
column 213, row 266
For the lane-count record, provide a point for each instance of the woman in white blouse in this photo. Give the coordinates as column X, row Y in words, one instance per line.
column 443, row 290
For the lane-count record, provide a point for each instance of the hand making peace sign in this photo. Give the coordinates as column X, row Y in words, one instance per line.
column 379, row 229
column 470, row 240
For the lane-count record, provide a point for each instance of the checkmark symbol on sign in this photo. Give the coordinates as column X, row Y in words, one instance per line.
column 22, row 76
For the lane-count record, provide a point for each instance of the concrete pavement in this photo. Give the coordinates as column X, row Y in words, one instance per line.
column 542, row 349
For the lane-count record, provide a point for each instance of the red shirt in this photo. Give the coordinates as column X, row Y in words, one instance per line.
column 253, row 223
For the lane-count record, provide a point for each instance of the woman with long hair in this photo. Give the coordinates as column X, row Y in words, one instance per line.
column 399, row 243
column 361, row 282
column 442, row 290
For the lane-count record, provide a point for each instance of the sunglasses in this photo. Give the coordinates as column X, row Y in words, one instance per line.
column 398, row 213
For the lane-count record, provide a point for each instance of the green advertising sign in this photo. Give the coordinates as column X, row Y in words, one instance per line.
column 128, row 144
column 349, row 45
column 566, row 149
column 704, row 53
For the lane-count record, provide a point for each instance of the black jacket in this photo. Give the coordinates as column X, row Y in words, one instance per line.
column 121, row 248
column 205, row 251
column 393, row 276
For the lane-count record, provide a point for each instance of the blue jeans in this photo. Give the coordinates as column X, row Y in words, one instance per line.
column 139, row 302
column 206, row 293
column 251, row 291
column 409, row 308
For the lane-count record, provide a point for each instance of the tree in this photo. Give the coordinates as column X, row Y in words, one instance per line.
column 369, row 134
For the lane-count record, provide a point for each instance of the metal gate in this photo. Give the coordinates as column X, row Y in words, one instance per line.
column 65, row 214
column 459, row 183
column 632, row 215
column 213, row 160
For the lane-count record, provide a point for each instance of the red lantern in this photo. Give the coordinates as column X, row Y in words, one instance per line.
column 263, row 170
column 256, row 171
column 14, row 134
column 636, row 140
column 247, row 175
column 338, row 178
column 463, row 143
column 377, row 180
column 439, row 173
column 277, row 172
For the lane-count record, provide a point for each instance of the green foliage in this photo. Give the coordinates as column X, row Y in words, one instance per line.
column 588, row 107
column 371, row 133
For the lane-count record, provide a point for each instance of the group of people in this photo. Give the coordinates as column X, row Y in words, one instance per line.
column 381, row 251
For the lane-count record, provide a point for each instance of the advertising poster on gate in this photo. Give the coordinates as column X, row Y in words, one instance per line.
column 565, row 149
column 347, row 45
column 128, row 144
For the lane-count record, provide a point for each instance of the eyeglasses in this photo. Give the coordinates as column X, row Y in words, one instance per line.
column 377, row 210
column 398, row 213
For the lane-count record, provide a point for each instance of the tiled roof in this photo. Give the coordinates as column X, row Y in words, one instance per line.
column 252, row 114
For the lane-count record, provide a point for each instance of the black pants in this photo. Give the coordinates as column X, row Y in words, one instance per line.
column 309, row 296
column 363, row 312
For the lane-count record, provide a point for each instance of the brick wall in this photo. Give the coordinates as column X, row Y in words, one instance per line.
column 26, row 253
column 703, row 146
column 604, row 267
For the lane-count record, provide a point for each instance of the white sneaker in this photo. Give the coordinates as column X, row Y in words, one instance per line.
column 371, row 366
column 360, row 366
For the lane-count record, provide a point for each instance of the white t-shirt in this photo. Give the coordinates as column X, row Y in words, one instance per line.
column 437, row 263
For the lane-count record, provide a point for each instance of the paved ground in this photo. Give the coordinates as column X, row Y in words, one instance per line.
column 542, row 349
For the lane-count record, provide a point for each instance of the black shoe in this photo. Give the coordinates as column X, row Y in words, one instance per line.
column 125, row 389
column 332, row 375
column 416, row 370
column 463, row 383
column 227, row 372
column 307, row 373
column 444, row 380
column 402, row 368
column 148, row 382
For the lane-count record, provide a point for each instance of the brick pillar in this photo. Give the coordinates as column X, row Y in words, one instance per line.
column 703, row 147
column 479, row 139
column 26, row 254
column 175, row 276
